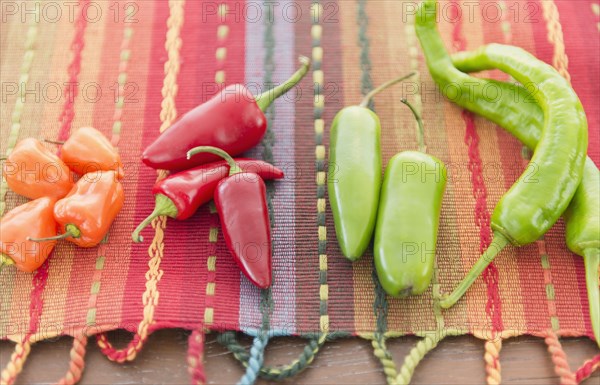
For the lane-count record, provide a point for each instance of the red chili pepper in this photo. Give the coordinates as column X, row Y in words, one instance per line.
column 242, row 206
column 32, row 219
column 180, row 195
column 233, row 120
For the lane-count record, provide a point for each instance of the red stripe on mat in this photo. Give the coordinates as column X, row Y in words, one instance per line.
column 227, row 294
column 482, row 215
column 181, row 286
column 40, row 277
column 132, row 307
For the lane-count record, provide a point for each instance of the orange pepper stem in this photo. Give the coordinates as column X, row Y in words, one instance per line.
column 233, row 167
column 370, row 95
column 265, row 99
column 5, row 260
column 591, row 260
column 163, row 206
column 71, row 232
column 59, row 142
column 499, row 242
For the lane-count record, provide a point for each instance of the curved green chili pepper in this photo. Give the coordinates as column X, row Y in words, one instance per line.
column 408, row 220
column 354, row 174
column 528, row 209
column 582, row 217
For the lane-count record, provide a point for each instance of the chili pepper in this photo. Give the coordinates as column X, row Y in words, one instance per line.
column 527, row 210
column 33, row 171
column 180, row 195
column 241, row 203
column 32, row 219
column 354, row 174
column 86, row 213
column 88, row 150
column 408, row 219
column 232, row 120
column 582, row 217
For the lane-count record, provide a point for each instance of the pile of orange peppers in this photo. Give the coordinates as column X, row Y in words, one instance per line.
column 76, row 196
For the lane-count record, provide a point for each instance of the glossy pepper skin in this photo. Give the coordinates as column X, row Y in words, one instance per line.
column 582, row 217
column 33, row 171
column 241, row 203
column 88, row 150
column 232, row 120
column 527, row 210
column 180, row 195
column 242, row 207
column 87, row 212
column 407, row 223
column 354, row 173
column 354, row 178
column 32, row 219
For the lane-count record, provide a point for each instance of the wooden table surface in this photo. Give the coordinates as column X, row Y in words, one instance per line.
column 350, row 361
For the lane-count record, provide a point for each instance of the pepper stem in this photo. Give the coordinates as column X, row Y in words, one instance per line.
column 265, row 99
column 233, row 167
column 498, row 243
column 591, row 260
column 59, row 142
column 370, row 95
column 163, row 206
column 420, row 130
column 5, row 260
column 71, row 232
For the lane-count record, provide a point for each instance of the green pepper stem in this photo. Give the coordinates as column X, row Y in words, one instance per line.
column 59, row 142
column 591, row 260
column 498, row 243
column 163, row 206
column 5, row 260
column 233, row 167
column 370, row 95
column 420, row 130
column 71, row 232
column 265, row 99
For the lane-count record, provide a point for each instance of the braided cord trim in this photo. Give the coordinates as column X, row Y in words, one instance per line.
column 155, row 251
column 587, row 369
column 560, row 60
column 559, row 359
column 77, row 361
column 195, row 357
column 17, row 360
column 492, row 361
column 385, row 358
column 228, row 339
column 414, row 357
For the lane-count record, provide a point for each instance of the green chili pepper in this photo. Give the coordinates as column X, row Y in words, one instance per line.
column 582, row 217
column 408, row 219
column 354, row 174
column 528, row 209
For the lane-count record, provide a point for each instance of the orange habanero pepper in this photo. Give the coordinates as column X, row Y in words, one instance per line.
column 86, row 213
column 33, row 219
column 88, row 150
column 33, row 171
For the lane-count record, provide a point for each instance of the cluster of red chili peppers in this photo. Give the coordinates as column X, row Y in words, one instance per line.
column 230, row 123
column 79, row 211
